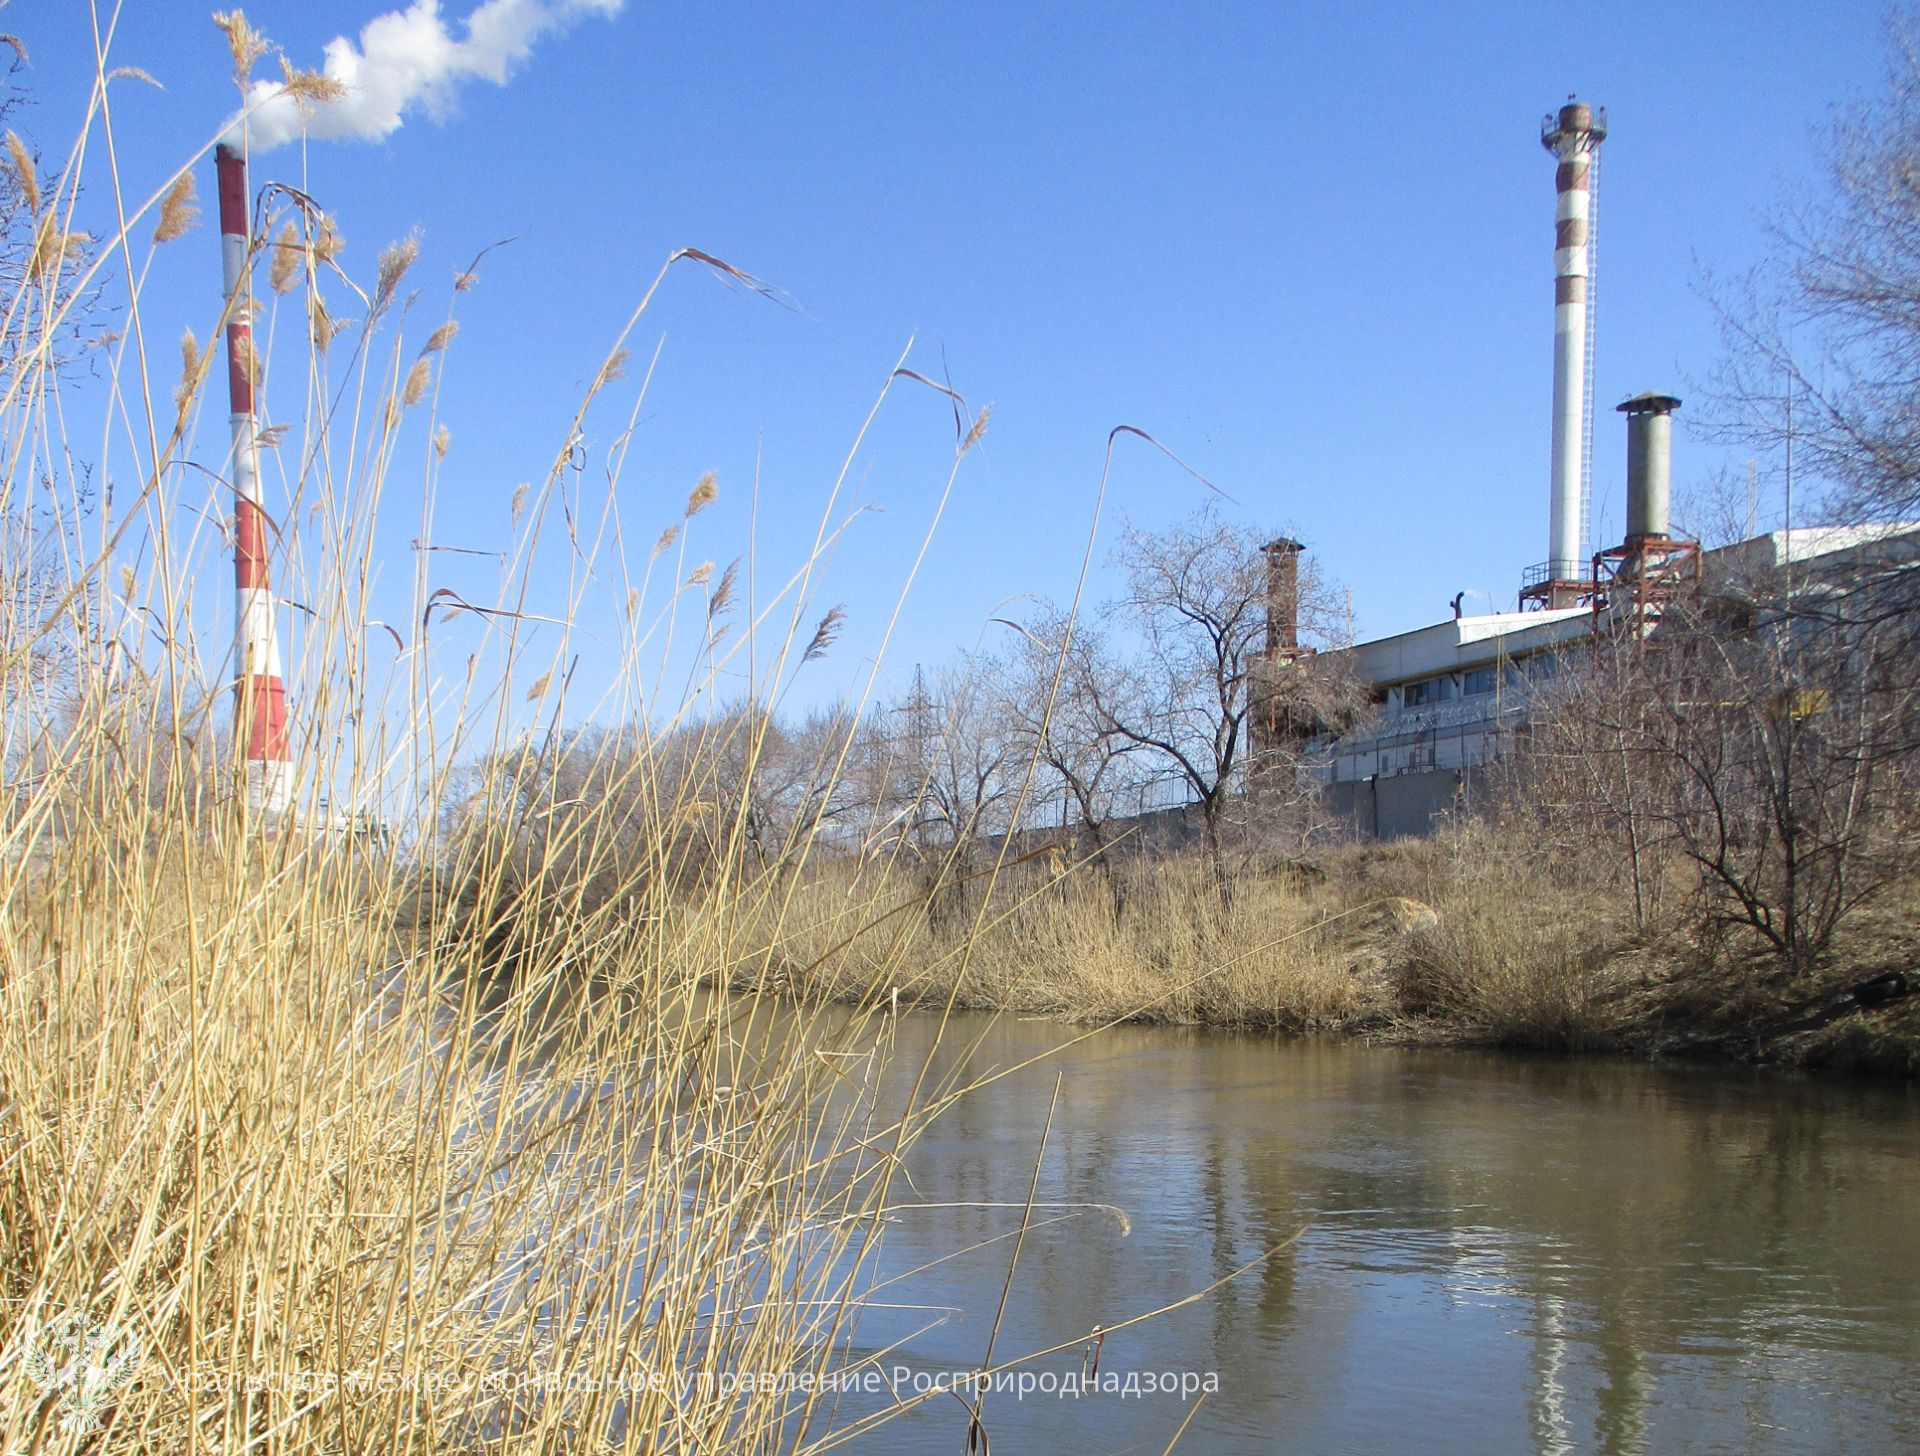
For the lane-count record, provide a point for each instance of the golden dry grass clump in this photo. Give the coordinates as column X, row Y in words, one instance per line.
column 348, row 1198
column 1468, row 938
column 401, row 1120
column 1058, row 948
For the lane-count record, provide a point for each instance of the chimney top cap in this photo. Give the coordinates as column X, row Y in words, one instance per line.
column 1651, row 402
column 1572, row 122
column 1283, row 544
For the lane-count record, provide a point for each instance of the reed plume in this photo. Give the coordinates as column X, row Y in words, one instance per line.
column 177, row 211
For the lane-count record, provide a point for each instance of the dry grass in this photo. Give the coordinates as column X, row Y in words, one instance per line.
column 1058, row 949
column 1476, row 936
column 417, row 1140
column 234, row 1129
column 1517, row 955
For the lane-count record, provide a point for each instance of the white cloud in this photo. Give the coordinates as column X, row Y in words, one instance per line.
column 407, row 60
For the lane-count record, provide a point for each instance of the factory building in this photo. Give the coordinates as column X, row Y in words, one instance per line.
column 1451, row 698
column 1448, row 700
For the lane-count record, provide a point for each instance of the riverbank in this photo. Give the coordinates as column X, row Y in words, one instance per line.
column 1454, row 940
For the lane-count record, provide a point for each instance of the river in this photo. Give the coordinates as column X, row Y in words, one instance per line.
column 1472, row 1253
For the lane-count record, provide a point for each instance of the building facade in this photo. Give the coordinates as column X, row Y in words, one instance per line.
column 1450, row 699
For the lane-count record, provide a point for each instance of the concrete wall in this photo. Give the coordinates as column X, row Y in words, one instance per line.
column 1405, row 805
column 1400, row 806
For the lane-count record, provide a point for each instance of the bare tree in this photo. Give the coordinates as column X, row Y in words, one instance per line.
column 946, row 772
column 1794, row 744
column 1767, row 738
column 813, row 797
column 1197, row 600
column 1054, row 694
column 1722, row 506
column 1823, row 353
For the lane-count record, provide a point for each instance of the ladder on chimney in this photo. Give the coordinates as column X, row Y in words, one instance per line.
column 1587, row 544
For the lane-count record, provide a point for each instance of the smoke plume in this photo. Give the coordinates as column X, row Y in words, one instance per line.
column 406, row 60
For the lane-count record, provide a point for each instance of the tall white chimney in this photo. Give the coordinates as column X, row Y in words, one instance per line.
column 1573, row 135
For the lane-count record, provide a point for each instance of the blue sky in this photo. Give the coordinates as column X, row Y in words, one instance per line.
column 1308, row 247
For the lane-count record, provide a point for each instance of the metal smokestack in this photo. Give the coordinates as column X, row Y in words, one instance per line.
column 259, row 691
column 1649, row 464
column 1573, row 135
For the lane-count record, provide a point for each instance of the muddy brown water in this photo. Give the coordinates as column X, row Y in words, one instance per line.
column 1475, row 1253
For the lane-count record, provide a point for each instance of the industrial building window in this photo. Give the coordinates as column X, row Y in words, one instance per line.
column 1428, row 690
column 1479, row 681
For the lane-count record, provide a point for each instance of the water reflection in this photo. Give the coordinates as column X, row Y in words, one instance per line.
column 1473, row 1253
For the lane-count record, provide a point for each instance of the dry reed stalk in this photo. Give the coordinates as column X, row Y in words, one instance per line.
column 294, row 1107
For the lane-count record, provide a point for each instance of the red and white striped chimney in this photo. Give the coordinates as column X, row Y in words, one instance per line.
column 259, row 691
column 1573, row 135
